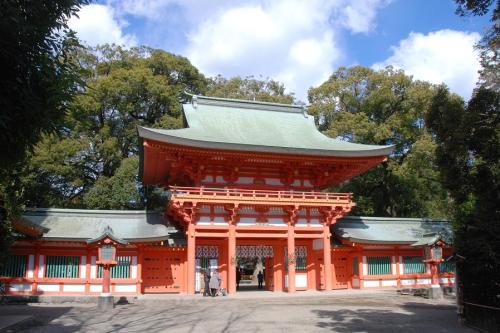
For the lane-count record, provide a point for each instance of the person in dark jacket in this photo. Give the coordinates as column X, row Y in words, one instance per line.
column 238, row 278
column 206, row 282
column 260, row 278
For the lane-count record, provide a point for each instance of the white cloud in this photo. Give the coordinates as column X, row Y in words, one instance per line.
column 291, row 41
column 97, row 24
column 442, row 56
column 359, row 15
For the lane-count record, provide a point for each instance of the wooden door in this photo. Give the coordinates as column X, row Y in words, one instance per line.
column 341, row 276
column 162, row 272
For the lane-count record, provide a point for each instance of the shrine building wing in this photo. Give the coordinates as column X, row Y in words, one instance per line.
column 388, row 230
column 84, row 224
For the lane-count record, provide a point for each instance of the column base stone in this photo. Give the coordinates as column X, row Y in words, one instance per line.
column 105, row 302
column 435, row 292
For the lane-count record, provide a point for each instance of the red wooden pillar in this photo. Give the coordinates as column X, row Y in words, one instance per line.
column 140, row 257
column 278, row 266
column 434, row 273
column 291, row 258
column 191, row 252
column 327, row 257
column 231, row 260
column 36, row 268
column 106, row 281
column 87, row 271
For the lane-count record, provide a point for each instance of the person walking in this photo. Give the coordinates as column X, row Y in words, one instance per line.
column 238, row 278
column 214, row 283
column 206, row 282
column 260, row 278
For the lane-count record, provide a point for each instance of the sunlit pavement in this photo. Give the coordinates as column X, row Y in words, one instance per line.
column 257, row 311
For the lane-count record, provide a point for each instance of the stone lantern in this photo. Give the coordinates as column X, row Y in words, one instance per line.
column 106, row 246
column 433, row 245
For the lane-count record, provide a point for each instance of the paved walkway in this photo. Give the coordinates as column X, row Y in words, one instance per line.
column 378, row 311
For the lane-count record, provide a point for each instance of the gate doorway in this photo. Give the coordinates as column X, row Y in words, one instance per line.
column 254, row 269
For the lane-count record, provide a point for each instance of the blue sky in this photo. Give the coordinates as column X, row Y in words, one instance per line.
column 297, row 42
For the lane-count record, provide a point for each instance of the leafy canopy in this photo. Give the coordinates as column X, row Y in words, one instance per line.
column 384, row 107
column 92, row 162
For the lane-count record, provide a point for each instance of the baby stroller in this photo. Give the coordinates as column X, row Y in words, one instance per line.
column 221, row 292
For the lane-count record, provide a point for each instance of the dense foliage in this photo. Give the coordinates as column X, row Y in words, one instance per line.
column 468, row 155
column 38, row 78
column 384, row 107
column 92, row 161
column 249, row 88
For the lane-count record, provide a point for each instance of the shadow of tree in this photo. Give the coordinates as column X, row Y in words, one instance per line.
column 407, row 318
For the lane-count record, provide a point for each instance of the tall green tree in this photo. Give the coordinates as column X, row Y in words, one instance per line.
column 38, row 79
column 384, row 107
column 92, row 161
column 468, row 155
column 37, row 82
column 489, row 45
column 249, row 88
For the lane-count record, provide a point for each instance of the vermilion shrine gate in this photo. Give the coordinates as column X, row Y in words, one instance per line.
column 245, row 179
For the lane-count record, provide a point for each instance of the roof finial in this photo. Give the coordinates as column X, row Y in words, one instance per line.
column 194, row 101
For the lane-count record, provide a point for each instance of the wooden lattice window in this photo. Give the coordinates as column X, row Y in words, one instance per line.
column 62, row 267
column 15, row 266
column 413, row 264
column 379, row 265
column 121, row 270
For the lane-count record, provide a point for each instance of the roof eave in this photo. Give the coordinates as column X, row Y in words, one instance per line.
column 146, row 133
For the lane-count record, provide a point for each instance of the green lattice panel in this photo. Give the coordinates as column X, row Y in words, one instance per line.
column 15, row 266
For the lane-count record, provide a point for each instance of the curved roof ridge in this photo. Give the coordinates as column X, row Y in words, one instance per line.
column 392, row 219
column 89, row 211
column 247, row 104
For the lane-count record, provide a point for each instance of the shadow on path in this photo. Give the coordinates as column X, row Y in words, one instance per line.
column 409, row 317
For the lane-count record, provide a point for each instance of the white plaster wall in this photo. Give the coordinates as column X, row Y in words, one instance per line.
column 301, row 280
column 245, row 180
column 83, row 267
column 389, row 283
column 95, row 288
column 74, row 288
column 133, row 269
column 125, row 288
column 365, row 266
column 443, row 280
column 48, row 287
column 31, row 266
column 407, row 282
column 371, row 283
column 317, row 244
column 41, row 266
column 273, row 181
column 393, row 265
column 276, row 221
column 423, row 281
column 93, row 268
column 401, row 265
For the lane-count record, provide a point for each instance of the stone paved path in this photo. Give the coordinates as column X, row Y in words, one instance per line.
column 334, row 312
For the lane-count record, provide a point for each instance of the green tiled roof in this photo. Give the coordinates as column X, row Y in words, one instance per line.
column 81, row 224
column 361, row 229
column 227, row 124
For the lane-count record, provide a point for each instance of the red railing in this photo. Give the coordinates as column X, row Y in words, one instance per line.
column 242, row 194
